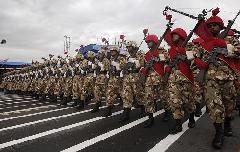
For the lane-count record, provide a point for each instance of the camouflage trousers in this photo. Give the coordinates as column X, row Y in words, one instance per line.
column 88, row 85
column 67, row 88
column 152, row 94
column 181, row 98
column 220, row 99
column 237, row 86
column 100, row 88
column 50, row 85
column 33, row 85
column 113, row 90
column 132, row 90
column 40, row 86
column 26, row 85
column 77, row 87
column 59, row 86
column 199, row 93
column 154, row 90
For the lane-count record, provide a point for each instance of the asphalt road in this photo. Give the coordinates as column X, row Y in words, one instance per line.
column 28, row 125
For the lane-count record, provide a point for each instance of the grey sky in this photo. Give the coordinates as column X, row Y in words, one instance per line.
column 35, row 28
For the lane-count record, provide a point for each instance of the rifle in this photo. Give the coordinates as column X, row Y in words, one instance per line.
column 211, row 58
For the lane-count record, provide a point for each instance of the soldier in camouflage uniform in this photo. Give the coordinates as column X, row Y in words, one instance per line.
column 132, row 85
column 113, row 87
column 49, row 90
column 103, row 66
column 219, row 84
column 77, row 80
column 155, row 86
column 67, row 88
column 181, row 80
column 88, row 66
column 233, row 45
column 195, row 46
column 58, row 90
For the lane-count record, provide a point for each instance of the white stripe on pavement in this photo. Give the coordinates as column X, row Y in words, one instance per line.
column 108, row 134
column 164, row 144
column 34, row 114
column 34, row 104
column 42, row 134
column 28, row 109
column 44, row 120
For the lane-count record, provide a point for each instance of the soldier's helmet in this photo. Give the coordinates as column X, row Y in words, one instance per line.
column 90, row 54
column 79, row 56
column 114, row 48
column 103, row 50
column 215, row 19
column 150, row 38
column 131, row 43
column 181, row 32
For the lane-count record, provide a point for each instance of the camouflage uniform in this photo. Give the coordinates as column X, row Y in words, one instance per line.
column 220, row 92
column 132, row 85
column 156, row 88
column 101, row 80
column 114, row 84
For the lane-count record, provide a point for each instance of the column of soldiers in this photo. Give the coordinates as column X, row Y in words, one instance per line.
column 141, row 80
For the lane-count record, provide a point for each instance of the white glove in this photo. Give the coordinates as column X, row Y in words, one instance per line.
column 89, row 63
column 190, row 55
column 131, row 60
column 121, row 74
column 162, row 57
column 82, row 71
column 230, row 49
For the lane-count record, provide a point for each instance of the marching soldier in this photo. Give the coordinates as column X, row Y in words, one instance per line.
column 114, row 86
column 77, row 80
column 132, row 86
column 220, row 75
column 103, row 66
column 155, row 86
column 181, row 81
column 88, row 80
column 68, row 75
column 195, row 46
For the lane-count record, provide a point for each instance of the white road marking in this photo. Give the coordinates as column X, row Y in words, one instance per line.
column 28, row 109
column 108, row 134
column 34, row 104
column 34, row 114
column 164, row 144
column 42, row 134
column 44, row 120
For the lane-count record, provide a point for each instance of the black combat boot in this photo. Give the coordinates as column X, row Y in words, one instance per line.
column 217, row 142
column 43, row 98
column 227, row 127
column 198, row 111
column 149, row 123
column 108, row 111
column 64, row 101
column 80, row 105
column 142, row 111
column 191, row 122
column 96, row 107
column 166, row 116
column 54, row 98
column 75, row 102
column 238, row 106
column 177, row 127
column 125, row 115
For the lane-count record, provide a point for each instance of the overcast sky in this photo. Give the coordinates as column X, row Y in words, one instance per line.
column 35, row 28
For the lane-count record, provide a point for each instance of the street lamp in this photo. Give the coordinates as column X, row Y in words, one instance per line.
column 3, row 41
